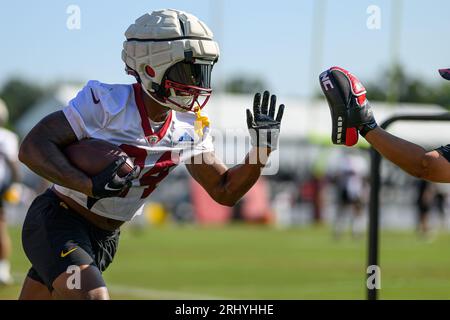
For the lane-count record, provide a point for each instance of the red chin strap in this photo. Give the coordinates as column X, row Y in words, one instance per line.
column 183, row 90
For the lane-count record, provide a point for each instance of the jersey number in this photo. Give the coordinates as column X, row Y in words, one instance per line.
column 156, row 174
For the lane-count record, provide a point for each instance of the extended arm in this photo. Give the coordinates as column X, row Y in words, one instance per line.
column 410, row 157
column 351, row 113
column 227, row 186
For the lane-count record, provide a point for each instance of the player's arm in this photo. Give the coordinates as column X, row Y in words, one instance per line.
column 41, row 151
column 428, row 165
column 351, row 112
column 228, row 185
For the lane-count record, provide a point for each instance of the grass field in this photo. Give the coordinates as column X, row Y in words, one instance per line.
column 250, row 262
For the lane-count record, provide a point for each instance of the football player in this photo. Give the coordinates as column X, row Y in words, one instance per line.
column 9, row 173
column 351, row 113
column 171, row 54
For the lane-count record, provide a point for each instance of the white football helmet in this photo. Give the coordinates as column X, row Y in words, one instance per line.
column 171, row 53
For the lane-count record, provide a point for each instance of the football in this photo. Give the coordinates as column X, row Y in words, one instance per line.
column 93, row 155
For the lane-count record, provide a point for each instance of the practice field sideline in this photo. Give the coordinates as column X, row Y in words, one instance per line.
column 246, row 262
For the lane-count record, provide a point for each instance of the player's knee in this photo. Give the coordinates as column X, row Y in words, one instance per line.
column 97, row 294
column 80, row 294
column 80, row 283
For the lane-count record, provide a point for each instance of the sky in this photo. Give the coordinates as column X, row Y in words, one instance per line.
column 271, row 40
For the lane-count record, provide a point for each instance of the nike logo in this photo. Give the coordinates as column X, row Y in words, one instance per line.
column 64, row 254
column 96, row 101
column 107, row 187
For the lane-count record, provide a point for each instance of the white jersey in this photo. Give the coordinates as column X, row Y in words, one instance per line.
column 9, row 148
column 116, row 113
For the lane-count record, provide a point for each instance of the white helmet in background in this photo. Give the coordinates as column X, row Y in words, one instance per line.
column 172, row 53
column 4, row 113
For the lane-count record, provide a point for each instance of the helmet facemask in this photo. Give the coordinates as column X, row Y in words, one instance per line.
column 187, row 86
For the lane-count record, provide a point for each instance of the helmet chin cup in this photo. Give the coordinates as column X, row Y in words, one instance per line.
column 181, row 102
column 185, row 96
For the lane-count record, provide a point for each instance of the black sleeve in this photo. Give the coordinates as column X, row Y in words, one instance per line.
column 445, row 151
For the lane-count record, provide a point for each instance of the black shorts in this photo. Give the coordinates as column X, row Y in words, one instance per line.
column 54, row 238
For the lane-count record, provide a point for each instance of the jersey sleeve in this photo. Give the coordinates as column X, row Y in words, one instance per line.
column 200, row 145
column 191, row 139
column 205, row 144
column 445, row 151
column 87, row 112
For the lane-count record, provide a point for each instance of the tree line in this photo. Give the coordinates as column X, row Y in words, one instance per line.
column 393, row 85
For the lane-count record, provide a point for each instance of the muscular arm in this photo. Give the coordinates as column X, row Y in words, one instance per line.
column 410, row 157
column 41, row 152
column 227, row 186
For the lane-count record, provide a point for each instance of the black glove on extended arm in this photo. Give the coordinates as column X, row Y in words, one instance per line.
column 263, row 126
column 350, row 110
column 108, row 183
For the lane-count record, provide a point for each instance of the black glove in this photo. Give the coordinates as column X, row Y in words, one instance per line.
column 263, row 126
column 350, row 110
column 108, row 183
column 362, row 117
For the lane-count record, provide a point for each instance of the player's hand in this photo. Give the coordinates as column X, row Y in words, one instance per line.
column 108, row 183
column 263, row 126
column 349, row 107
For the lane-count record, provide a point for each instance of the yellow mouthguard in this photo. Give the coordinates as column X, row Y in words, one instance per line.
column 200, row 122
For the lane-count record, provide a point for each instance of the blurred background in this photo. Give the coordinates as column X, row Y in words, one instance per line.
column 300, row 232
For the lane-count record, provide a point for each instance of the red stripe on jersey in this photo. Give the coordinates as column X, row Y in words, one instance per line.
column 145, row 121
column 138, row 154
column 162, row 132
column 141, row 108
column 157, row 173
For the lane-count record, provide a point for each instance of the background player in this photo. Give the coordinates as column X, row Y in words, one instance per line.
column 76, row 223
column 9, row 173
column 350, row 109
column 351, row 195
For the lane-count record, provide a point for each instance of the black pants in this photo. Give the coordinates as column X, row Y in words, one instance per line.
column 55, row 238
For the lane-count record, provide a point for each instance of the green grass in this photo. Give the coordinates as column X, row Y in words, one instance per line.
column 250, row 262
